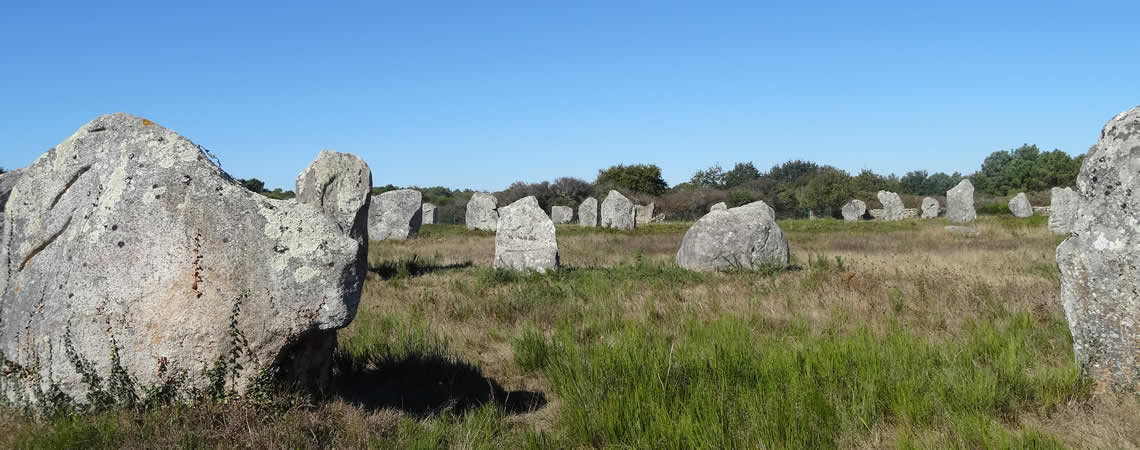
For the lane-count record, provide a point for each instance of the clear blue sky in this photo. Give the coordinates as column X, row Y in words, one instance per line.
column 480, row 94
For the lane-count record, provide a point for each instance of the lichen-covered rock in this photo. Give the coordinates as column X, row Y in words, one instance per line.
column 428, row 213
column 854, row 210
column 745, row 237
column 718, row 207
column 126, row 251
column 960, row 203
column 7, row 181
column 1099, row 274
column 588, row 212
column 643, row 214
column 1020, row 207
column 395, row 215
column 481, row 214
column 877, row 213
column 892, row 205
column 1062, row 210
column 526, row 238
column 561, row 214
column 618, row 212
column 930, row 208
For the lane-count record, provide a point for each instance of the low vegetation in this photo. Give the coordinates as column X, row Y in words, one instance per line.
column 894, row 335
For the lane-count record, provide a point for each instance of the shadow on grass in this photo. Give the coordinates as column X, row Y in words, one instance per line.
column 412, row 267
column 423, row 385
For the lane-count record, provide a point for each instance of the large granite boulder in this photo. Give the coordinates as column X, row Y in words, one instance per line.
column 481, row 214
column 930, row 208
column 428, row 212
column 643, row 214
column 854, row 210
column 7, row 182
column 1020, row 207
column 561, row 214
column 395, row 215
column 1062, row 210
column 960, row 203
column 1099, row 274
column 722, row 206
column 525, row 239
column 588, row 212
column 618, row 212
column 134, row 263
column 892, row 205
column 745, row 237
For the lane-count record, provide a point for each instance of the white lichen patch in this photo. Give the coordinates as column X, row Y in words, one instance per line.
column 305, row 273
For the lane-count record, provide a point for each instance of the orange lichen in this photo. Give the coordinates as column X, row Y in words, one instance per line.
column 147, row 122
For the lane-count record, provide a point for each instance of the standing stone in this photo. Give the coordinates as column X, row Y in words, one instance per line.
column 561, row 214
column 1020, row 206
column 525, row 238
column 854, row 210
column 644, row 214
column 588, row 212
column 744, row 237
column 1099, row 273
column 618, row 212
column 892, row 205
column 718, row 207
column 428, row 212
column 960, row 203
column 930, row 208
column 129, row 253
column 395, row 215
column 481, row 213
column 1062, row 210
column 7, row 182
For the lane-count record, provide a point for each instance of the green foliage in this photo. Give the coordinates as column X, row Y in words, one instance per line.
column 258, row 186
column 741, row 173
column 1026, row 169
column 712, row 177
column 829, row 189
column 640, row 178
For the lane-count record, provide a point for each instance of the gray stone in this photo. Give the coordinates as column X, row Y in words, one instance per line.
column 588, row 212
column 964, row 230
column 854, row 210
column 481, row 214
column 395, row 215
column 429, row 213
column 909, row 213
column 960, row 203
column 128, row 251
column 1062, row 210
column 1099, row 274
column 618, row 212
column 643, row 214
column 718, row 207
column 7, row 182
column 525, row 239
column 1020, row 207
column 892, row 205
column 930, row 208
column 744, row 237
column 561, row 214
column 877, row 213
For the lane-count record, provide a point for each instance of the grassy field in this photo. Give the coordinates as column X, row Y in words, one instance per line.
column 896, row 335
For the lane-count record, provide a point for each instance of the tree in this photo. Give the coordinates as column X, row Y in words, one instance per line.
column 570, row 191
column 741, row 173
column 868, row 181
column 641, row 178
column 793, row 172
column 914, row 182
column 828, row 189
column 712, row 177
column 253, row 184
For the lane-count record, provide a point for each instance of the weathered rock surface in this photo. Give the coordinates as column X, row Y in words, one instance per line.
column 588, row 212
column 7, row 182
column 481, row 214
column 854, row 210
column 525, row 239
column 1062, row 210
column 1099, row 274
column 892, row 205
column 877, row 213
column 126, row 250
column 618, row 212
column 643, row 214
column 744, row 237
column 561, row 214
column 930, row 208
column 960, row 203
column 722, row 206
column 1019, row 206
column 428, row 212
column 395, row 215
